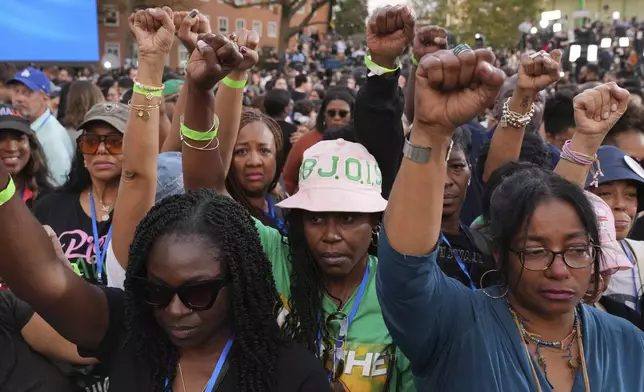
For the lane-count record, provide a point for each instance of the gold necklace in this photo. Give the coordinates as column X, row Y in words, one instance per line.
column 183, row 382
column 534, row 371
column 106, row 209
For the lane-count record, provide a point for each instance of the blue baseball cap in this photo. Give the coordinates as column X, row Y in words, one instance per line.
column 170, row 175
column 617, row 166
column 34, row 79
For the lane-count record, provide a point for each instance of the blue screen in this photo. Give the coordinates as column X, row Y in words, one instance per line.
column 49, row 30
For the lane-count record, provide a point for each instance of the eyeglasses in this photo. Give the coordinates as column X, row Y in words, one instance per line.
column 540, row 259
column 89, row 143
column 333, row 113
column 195, row 296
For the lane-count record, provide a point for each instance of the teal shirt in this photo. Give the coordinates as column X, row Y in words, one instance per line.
column 368, row 344
column 462, row 340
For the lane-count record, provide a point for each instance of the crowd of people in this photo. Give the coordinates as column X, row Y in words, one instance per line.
column 454, row 229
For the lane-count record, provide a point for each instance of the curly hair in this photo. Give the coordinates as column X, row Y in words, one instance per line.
column 250, row 116
column 254, row 301
column 82, row 96
column 35, row 174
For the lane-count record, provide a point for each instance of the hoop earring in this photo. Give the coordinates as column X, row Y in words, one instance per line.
column 488, row 294
column 375, row 236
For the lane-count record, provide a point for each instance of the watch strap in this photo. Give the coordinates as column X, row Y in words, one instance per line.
column 416, row 153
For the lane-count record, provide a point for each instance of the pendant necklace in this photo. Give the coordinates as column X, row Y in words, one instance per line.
column 105, row 209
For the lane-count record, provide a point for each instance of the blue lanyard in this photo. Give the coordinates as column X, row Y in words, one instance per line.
column 43, row 123
column 346, row 323
column 220, row 364
column 460, row 262
column 271, row 215
column 628, row 255
column 100, row 256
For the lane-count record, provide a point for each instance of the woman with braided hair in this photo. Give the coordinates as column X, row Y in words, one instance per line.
column 199, row 310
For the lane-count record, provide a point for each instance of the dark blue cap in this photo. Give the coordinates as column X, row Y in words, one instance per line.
column 617, row 166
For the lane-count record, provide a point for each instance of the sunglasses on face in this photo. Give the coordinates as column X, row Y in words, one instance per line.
column 89, row 144
column 195, row 296
column 333, row 113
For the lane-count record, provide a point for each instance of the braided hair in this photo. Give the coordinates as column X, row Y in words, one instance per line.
column 254, row 301
column 234, row 188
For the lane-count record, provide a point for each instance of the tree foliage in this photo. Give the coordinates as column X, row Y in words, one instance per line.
column 288, row 9
column 497, row 20
column 351, row 17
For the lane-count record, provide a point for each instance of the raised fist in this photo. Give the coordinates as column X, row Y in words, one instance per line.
column 248, row 41
column 389, row 30
column 539, row 70
column 216, row 56
column 428, row 39
column 598, row 109
column 451, row 89
column 188, row 26
column 153, row 30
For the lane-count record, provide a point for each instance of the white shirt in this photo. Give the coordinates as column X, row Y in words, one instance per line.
column 56, row 145
column 115, row 273
column 626, row 286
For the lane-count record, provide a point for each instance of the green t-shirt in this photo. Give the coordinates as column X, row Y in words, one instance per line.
column 368, row 341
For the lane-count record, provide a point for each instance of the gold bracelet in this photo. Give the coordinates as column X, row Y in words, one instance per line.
column 143, row 111
column 204, row 148
column 147, row 88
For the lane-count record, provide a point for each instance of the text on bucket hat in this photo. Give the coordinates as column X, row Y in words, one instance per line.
column 338, row 176
column 115, row 114
column 34, row 79
column 613, row 258
column 11, row 119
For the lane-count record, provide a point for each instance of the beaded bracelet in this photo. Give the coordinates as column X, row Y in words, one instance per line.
column 7, row 193
column 148, row 91
column 582, row 159
column 236, row 84
column 200, row 136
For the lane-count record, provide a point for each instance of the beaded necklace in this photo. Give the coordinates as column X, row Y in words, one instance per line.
column 573, row 363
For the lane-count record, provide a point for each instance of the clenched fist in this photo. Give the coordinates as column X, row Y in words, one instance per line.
column 539, row 70
column 216, row 56
column 153, row 30
column 428, row 39
column 389, row 30
column 451, row 89
column 248, row 41
column 188, row 26
column 598, row 109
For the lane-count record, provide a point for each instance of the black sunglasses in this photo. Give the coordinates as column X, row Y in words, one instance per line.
column 333, row 113
column 195, row 296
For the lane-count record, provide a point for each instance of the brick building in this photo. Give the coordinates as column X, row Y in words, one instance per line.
column 114, row 30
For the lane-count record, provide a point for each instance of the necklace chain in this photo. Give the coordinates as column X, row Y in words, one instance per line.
column 183, row 382
column 106, row 209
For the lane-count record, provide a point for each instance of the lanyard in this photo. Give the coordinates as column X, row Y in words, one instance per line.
column 271, row 215
column 460, row 262
column 628, row 255
column 220, row 364
column 100, row 256
column 42, row 124
column 338, row 352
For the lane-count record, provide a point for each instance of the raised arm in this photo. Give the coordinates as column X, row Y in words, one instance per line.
column 596, row 111
column 188, row 25
column 421, row 306
column 536, row 72
column 427, row 40
column 379, row 104
column 141, row 140
column 203, row 165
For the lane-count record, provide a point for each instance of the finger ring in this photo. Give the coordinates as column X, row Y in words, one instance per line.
column 535, row 55
column 460, row 48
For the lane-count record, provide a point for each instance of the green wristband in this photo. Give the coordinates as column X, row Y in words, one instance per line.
column 7, row 193
column 414, row 61
column 234, row 83
column 141, row 90
column 200, row 136
column 377, row 69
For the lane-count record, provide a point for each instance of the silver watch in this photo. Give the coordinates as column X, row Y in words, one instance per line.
column 416, row 153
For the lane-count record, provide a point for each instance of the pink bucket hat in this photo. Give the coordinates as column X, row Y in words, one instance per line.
column 338, row 176
column 613, row 257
